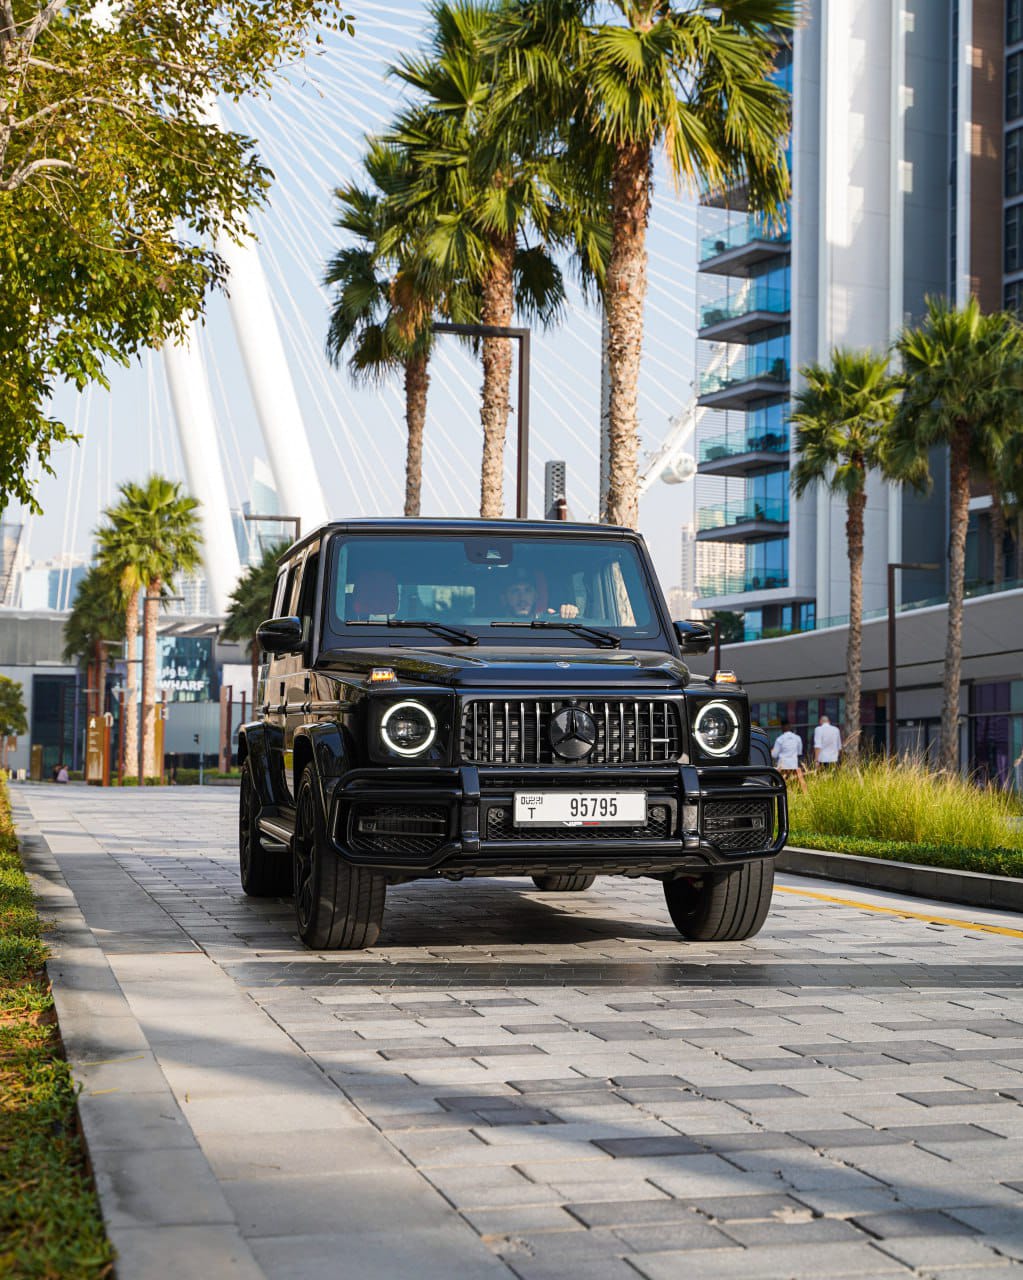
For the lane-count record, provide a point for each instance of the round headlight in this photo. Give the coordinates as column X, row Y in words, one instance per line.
column 408, row 728
column 716, row 728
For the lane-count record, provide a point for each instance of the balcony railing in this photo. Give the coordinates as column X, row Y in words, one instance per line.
column 765, row 298
column 750, row 511
column 771, row 370
column 736, row 584
column 734, row 446
column 741, row 233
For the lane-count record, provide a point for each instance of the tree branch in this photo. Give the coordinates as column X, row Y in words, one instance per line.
column 20, row 176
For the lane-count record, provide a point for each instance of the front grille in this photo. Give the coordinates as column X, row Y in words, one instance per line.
column 501, row 827
column 398, row 828
column 737, row 826
column 629, row 731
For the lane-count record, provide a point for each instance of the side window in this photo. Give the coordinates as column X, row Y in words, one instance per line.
column 307, row 596
column 280, row 595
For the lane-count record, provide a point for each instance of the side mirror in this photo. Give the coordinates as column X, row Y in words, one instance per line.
column 693, row 637
column 280, row 635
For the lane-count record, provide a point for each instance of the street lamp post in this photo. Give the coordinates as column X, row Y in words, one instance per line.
column 295, row 520
column 522, row 337
column 892, row 567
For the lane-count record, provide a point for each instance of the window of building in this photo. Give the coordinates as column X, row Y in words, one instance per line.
column 1014, row 162
column 1013, row 297
column 767, row 564
column 1014, row 86
column 1013, row 21
column 1014, row 237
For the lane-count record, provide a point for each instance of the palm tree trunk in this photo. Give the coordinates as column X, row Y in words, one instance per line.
column 150, row 613
column 854, row 644
column 959, row 514
column 997, row 535
column 624, row 297
column 417, row 382
column 496, row 307
column 131, row 706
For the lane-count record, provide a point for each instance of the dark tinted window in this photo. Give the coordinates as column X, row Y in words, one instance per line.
column 1014, row 86
column 1014, row 162
column 307, row 595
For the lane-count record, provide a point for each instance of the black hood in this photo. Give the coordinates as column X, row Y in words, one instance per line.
column 539, row 669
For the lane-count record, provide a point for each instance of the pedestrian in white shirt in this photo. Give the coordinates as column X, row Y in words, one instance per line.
column 787, row 749
column 827, row 743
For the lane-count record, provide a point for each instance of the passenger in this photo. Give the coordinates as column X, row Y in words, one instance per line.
column 521, row 599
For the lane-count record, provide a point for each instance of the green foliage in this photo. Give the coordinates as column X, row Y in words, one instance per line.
column 50, row 1224
column 13, row 718
column 731, row 626
column 97, row 615
column 114, row 182
column 249, row 603
column 842, row 415
column 905, row 805
column 992, row 862
column 152, row 533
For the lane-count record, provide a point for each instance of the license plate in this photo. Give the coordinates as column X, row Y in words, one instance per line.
column 580, row 808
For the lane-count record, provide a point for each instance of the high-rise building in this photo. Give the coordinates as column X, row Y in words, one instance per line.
column 893, row 151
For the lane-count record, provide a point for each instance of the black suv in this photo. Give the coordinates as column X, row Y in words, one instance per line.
column 477, row 698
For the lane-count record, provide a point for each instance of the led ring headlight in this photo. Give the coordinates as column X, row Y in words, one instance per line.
column 716, row 728
column 408, row 728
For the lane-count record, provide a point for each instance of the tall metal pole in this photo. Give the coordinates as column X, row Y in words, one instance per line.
column 521, row 336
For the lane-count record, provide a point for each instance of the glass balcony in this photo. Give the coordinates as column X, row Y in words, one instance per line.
column 737, row 584
column 756, row 298
column 750, row 230
column 750, row 511
column 752, row 368
column 721, row 448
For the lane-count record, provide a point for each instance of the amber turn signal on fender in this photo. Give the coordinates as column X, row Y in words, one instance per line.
column 382, row 675
column 725, row 677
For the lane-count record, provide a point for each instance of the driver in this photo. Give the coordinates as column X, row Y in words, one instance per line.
column 520, row 597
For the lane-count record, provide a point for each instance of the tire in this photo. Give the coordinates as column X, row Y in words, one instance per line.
column 264, row 873
column 563, row 884
column 337, row 906
column 723, row 909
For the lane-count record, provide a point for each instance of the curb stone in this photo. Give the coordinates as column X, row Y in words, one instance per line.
column 133, row 1116
column 967, row 888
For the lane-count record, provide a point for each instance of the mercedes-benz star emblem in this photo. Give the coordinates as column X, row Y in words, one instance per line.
column 573, row 733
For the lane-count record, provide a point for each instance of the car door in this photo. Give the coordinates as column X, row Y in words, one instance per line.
column 275, row 687
column 298, row 681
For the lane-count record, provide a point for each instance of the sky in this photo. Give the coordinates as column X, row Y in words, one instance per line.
column 311, row 134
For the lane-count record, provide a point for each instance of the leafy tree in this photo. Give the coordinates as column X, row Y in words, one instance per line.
column 249, row 604
column 494, row 200
column 731, row 627
column 383, row 305
column 962, row 372
column 842, row 416
column 113, row 183
column 159, row 523
column 96, row 620
column 13, row 718
column 632, row 76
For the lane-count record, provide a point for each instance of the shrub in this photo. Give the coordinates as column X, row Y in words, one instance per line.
column 906, row 804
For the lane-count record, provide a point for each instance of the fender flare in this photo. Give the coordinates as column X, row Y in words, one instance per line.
column 252, row 746
column 759, row 749
column 322, row 746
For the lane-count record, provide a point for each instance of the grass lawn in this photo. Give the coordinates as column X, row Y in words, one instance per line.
column 50, row 1225
column 905, row 812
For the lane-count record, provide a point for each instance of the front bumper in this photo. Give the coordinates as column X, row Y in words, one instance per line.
column 457, row 822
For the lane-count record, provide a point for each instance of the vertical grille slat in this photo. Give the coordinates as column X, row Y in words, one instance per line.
column 629, row 731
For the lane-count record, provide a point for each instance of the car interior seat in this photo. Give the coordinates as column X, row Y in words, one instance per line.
column 375, row 595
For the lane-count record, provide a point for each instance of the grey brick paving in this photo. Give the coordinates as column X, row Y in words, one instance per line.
column 522, row 1085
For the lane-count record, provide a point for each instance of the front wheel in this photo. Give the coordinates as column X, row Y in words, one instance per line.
column 563, row 884
column 264, row 874
column 726, row 908
column 337, row 906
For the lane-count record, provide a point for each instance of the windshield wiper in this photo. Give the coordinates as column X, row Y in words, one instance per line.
column 606, row 639
column 440, row 628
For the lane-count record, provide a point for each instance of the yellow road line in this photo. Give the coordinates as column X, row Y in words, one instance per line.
column 897, row 911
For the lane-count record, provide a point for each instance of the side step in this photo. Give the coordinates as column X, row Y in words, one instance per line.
column 278, row 833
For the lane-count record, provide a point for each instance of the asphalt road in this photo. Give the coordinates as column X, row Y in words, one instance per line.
column 517, row 1083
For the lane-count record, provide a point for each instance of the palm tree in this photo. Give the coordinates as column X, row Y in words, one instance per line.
column 842, row 416
column 250, row 603
column 962, row 372
column 96, row 620
column 691, row 78
column 382, row 305
column 159, row 522
column 493, row 200
column 119, row 560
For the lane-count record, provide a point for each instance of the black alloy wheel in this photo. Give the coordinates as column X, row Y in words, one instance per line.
column 263, row 872
column 337, row 906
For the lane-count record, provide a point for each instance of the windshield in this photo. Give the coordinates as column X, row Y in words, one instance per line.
column 473, row 583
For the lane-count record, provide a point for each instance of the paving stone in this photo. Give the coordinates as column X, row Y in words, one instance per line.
column 771, row 1262
column 858, row 1137
column 956, row 1097
column 692, row 1233
column 649, row 1146
column 792, row 1234
column 894, row 1225
column 184, row 1253
column 748, row 1092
